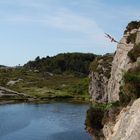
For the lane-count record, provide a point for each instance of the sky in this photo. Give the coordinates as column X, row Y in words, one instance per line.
column 31, row 28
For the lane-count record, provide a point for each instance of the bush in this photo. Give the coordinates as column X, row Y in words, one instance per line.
column 62, row 63
column 94, row 65
column 131, row 88
column 134, row 53
column 102, row 65
column 94, row 118
column 98, row 115
column 81, row 88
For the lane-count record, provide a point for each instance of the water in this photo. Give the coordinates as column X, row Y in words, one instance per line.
column 55, row 121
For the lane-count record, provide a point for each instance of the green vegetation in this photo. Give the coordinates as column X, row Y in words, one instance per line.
column 105, row 106
column 102, row 65
column 94, row 118
column 94, row 65
column 131, row 88
column 41, row 85
column 132, row 25
column 99, row 114
column 63, row 76
column 70, row 63
column 134, row 53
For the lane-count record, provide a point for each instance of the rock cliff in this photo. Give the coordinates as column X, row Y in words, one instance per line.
column 121, row 63
column 127, row 124
column 119, row 93
column 99, row 76
column 104, row 88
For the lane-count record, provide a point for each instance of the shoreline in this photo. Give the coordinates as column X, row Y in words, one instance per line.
column 42, row 101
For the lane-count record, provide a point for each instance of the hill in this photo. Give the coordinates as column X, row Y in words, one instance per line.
column 72, row 63
column 63, row 76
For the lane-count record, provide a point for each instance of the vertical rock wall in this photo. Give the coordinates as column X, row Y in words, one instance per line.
column 104, row 88
column 99, row 78
column 121, row 63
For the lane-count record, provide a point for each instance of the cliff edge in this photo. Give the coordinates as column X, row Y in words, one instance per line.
column 115, row 90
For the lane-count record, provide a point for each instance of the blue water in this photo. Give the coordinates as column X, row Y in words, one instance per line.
column 54, row 121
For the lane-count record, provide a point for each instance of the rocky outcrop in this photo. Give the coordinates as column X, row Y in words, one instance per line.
column 99, row 76
column 119, row 122
column 121, row 63
column 13, row 82
column 127, row 124
column 104, row 88
column 7, row 94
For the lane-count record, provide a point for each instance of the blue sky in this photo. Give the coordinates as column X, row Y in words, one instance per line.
column 30, row 28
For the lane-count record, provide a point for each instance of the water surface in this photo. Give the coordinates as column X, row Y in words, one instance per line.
column 55, row 121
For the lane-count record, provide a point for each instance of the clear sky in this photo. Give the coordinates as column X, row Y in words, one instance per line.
column 31, row 28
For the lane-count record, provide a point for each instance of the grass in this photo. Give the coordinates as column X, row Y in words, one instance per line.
column 43, row 86
column 132, row 25
column 98, row 115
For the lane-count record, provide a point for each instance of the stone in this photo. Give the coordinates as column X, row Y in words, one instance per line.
column 127, row 124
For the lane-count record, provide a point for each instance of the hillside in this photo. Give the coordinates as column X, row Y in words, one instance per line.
column 61, row 77
column 76, row 63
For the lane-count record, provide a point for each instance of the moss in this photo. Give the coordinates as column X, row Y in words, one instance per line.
column 42, row 86
column 94, row 122
column 99, row 114
column 134, row 53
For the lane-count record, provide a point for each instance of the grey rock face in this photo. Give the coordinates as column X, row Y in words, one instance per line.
column 121, row 63
column 138, row 36
column 98, row 87
column 99, row 78
column 127, row 124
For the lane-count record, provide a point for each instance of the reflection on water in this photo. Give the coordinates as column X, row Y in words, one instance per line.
column 56, row 121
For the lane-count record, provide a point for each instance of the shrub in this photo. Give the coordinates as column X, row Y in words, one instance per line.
column 94, row 65
column 94, row 117
column 131, row 88
column 134, row 53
